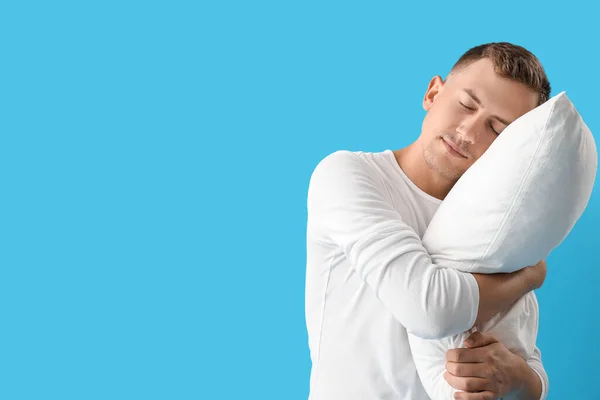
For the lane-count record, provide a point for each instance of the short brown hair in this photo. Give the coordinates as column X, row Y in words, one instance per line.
column 513, row 62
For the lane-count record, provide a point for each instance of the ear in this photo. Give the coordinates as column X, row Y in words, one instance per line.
column 435, row 86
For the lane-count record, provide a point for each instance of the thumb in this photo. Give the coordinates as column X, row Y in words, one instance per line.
column 479, row 339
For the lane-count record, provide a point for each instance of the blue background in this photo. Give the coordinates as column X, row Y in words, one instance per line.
column 154, row 162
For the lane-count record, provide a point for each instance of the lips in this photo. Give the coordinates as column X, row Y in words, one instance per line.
column 454, row 148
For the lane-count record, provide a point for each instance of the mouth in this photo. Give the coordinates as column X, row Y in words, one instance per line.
column 453, row 149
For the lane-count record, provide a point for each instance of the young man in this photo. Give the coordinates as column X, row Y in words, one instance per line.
column 369, row 280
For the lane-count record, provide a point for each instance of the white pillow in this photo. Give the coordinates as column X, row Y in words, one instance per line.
column 510, row 210
column 522, row 197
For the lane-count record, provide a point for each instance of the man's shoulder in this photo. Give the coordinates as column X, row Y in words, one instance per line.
column 349, row 174
column 341, row 156
column 348, row 162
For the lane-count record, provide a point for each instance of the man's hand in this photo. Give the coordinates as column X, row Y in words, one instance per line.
column 499, row 292
column 536, row 274
column 486, row 369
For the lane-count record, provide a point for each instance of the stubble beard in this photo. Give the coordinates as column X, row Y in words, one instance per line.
column 438, row 163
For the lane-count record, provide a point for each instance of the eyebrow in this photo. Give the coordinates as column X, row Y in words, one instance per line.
column 476, row 99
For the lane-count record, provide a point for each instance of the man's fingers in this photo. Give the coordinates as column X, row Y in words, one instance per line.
column 478, row 339
column 487, row 395
column 475, row 355
column 479, row 370
column 466, row 384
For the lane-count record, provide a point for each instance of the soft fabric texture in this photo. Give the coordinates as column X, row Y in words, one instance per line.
column 514, row 205
column 367, row 274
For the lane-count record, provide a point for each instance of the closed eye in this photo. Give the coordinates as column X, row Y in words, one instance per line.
column 465, row 106
column 493, row 130
column 472, row 109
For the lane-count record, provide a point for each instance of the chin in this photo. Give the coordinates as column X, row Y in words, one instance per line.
column 441, row 163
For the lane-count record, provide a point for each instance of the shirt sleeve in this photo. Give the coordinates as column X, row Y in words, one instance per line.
column 348, row 207
column 535, row 363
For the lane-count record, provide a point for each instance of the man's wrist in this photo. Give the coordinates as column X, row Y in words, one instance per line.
column 528, row 382
column 529, row 279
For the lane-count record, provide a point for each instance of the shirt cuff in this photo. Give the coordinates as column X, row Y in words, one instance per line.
column 544, row 388
column 473, row 288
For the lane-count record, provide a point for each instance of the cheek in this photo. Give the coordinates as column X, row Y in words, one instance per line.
column 482, row 146
column 447, row 118
column 487, row 141
column 435, row 123
column 428, row 128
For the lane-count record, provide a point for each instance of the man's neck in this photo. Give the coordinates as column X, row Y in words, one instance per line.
column 411, row 161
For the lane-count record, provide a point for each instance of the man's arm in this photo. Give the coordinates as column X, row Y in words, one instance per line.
column 486, row 368
column 348, row 207
column 536, row 384
column 531, row 385
column 499, row 292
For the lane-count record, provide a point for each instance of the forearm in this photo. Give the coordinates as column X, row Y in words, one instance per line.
column 535, row 364
column 530, row 384
column 430, row 302
column 499, row 292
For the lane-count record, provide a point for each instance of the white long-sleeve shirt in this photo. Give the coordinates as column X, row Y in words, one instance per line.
column 369, row 280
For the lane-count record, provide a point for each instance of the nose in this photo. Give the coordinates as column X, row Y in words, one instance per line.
column 470, row 128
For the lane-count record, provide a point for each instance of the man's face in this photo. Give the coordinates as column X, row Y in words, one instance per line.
column 468, row 112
